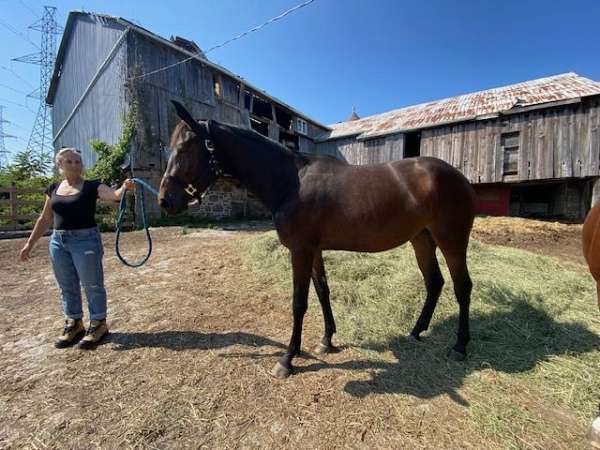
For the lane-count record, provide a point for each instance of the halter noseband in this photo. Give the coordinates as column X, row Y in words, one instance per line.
column 213, row 164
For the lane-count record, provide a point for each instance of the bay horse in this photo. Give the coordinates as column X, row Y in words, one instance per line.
column 322, row 203
column 591, row 245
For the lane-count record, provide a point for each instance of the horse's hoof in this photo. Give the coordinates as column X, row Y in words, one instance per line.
column 455, row 355
column 323, row 349
column 414, row 338
column 280, row 371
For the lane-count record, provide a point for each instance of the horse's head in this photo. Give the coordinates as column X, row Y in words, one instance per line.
column 191, row 168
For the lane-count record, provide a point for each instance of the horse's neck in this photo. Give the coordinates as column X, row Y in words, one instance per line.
column 269, row 173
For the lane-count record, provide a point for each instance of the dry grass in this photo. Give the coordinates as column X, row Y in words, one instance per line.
column 196, row 331
column 531, row 380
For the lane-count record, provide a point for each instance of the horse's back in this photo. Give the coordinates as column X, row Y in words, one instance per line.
column 377, row 207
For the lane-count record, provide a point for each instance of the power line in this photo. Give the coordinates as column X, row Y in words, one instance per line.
column 18, row 126
column 27, row 6
column 12, row 89
column 17, row 33
column 235, row 38
column 16, row 75
column 21, row 105
column 262, row 25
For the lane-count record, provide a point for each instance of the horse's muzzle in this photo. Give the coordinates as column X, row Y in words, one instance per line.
column 164, row 203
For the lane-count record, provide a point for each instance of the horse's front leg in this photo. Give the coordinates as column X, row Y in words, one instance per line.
column 301, row 266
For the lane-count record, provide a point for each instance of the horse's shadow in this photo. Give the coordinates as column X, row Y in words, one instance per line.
column 513, row 339
column 188, row 340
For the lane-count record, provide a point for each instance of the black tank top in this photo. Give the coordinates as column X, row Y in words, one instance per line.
column 74, row 212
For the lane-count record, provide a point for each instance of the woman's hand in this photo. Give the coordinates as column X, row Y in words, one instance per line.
column 129, row 184
column 24, row 254
column 114, row 195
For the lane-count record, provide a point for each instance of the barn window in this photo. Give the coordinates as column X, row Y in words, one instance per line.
column 510, row 149
column 217, row 87
column 301, row 126
column 262, row 108
column 283, row 118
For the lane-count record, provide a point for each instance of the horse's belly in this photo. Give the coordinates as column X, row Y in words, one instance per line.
column 370, row 237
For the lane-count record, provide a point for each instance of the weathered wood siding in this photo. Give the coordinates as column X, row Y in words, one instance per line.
column 100, row 114
column 559, row 142
column 372, row 151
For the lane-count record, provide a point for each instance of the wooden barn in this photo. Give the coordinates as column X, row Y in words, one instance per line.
column 530, row 149
column 108, row 69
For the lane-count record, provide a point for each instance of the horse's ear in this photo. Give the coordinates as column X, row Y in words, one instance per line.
column 185, row 116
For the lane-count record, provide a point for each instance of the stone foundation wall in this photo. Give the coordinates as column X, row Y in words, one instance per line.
column 227, row 200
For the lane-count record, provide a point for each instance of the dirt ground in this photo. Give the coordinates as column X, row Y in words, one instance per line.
column 562, row 241
column 194, row 335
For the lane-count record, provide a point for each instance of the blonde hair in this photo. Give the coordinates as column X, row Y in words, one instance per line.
column 62, row 152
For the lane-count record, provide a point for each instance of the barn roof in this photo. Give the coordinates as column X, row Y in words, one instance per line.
column 73, row 15
column 490, row 103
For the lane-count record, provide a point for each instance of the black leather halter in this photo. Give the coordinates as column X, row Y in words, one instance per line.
column 213, row 164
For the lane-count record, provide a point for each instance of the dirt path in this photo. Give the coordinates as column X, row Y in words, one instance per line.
column 559, row 240
column 194, row 337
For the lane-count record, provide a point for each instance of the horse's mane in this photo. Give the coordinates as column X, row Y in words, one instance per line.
column 263, row 141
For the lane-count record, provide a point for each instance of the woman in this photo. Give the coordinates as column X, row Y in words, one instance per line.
column 75, row 247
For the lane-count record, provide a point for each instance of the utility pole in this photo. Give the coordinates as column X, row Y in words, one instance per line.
column 40, row 142
column 3, row 152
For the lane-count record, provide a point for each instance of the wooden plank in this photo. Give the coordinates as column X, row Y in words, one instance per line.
column 470, row 153
column 525, row 147
column 20, row 202
column 16, row 217
column 585, row 142
column 594, row 168
column 15, row 227
column 565, row 163
column 498, row 156
column 548, row 150
column 573, row 144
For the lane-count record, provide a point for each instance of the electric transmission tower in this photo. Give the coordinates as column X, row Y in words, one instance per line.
column 40, row 142
column 3, row 152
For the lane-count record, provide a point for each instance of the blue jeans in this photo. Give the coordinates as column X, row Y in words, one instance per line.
column 77, row 258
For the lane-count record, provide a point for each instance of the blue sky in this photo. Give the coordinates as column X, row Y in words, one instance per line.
column 323, row 59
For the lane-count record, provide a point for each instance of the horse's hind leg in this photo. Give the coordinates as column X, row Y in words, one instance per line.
column 424, row 247
column 455, row 253
column 319, row 278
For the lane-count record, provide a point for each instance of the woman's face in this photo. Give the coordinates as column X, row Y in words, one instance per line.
column 70, row 163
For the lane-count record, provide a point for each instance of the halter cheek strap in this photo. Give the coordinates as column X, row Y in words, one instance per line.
column 213, row 164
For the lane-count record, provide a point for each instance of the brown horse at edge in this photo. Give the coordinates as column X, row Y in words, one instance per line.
column 321, row 203
column 591, row 245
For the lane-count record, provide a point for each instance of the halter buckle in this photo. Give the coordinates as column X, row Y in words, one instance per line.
column 209, row 145
column 191, row 190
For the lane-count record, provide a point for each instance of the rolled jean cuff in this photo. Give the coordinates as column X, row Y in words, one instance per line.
column 98, row 317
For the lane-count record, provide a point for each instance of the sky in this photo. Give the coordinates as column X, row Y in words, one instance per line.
column 331, row 55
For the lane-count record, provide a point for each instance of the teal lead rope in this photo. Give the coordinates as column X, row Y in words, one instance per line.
column 122, row 206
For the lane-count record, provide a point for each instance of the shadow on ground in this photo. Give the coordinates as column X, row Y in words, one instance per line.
column 512, row 339
column 187, row 340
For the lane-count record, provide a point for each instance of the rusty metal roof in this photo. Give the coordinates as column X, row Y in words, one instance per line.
column 473, row 106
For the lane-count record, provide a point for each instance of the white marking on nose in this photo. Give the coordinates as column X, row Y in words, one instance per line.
column 89, row 252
